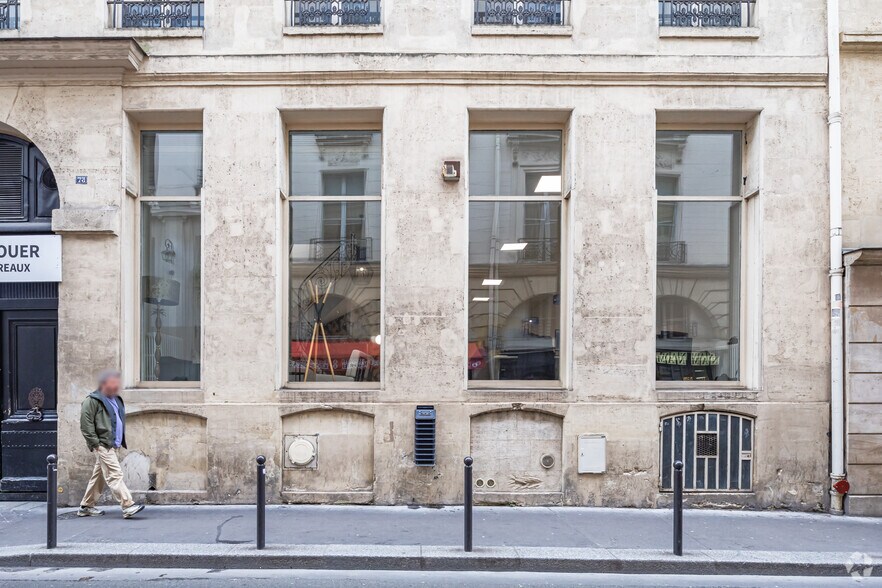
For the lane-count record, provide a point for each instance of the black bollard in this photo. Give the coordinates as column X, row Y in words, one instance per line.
column 467, row 504
column 261, row 502
column 51, row 502
column 678, row 508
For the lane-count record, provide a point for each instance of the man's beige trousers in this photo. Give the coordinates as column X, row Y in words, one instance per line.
column 107, row 472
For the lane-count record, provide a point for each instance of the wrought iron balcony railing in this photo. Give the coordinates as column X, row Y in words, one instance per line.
column 707, row 13
column 329, row 13
column 539, row 250
column 175, row 14
column 9, row 14
column 671, row 252
column 522, row 12
column 346, row 249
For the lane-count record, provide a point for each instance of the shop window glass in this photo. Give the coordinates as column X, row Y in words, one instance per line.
column 171, row 163
column 335, row 257
column 171, row 289
column 698, row 257
column 514, row 298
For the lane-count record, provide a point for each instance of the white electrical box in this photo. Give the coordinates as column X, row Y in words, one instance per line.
column 592, row 454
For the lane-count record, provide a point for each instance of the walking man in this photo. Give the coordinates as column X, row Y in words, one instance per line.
column 103, row 423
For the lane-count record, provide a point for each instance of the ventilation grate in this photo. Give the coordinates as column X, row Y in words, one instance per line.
column 424, row 436
column 28, row 291
column 705, row 445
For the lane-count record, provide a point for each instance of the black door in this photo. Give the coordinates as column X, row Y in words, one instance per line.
column 28, row 428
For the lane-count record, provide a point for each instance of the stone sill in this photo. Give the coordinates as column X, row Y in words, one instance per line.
column 10, row 33
column 168, row 496
column 520, row 31
column 334, row 30
column 708, row 32
column 305, row 497
column 73, row 219
column 153, row 396
column 527, row 498
column 861, row 41
column 154, row 33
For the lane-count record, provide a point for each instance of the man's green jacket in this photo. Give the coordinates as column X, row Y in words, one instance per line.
column 98, row 422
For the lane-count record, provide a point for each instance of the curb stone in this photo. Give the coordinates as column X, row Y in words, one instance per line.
column 431, row 558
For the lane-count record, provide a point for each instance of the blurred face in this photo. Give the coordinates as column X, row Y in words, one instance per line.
column 110, row 387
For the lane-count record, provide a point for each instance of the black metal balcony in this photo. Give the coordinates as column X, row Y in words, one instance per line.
column 329, row 13
column 9, row 14
column 709, row 13
column 522, row 12
column 130, row 14
column 539, row 250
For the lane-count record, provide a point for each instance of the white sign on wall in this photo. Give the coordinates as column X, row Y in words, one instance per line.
column 30, row 258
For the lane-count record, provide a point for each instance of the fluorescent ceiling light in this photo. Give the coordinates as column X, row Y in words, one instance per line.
column 513, row 246
column 548, row 185
column 490, row 282
column 480, row 299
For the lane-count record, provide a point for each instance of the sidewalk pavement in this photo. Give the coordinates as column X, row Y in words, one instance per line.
column 394, row 538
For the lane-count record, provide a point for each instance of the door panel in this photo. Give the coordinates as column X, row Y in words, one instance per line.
column 27, row 436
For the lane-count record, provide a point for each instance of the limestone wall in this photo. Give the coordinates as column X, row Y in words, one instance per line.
column 607, row 87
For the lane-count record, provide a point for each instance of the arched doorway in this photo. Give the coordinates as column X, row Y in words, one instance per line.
column 29, row 273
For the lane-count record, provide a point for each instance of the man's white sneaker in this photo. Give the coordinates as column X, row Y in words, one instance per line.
column 89, row 511
column 132, row 510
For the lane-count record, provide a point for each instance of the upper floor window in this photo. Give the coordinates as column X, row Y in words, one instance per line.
column 9, row 14
column 706, row 13
column 522, row 12
column 514, row 302
column 334, row 256
column 305, row 13
column 168, row 14
column 698, row 263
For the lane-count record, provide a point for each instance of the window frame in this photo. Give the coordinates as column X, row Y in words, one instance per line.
column 564, row 267
column 139, row 382
column 743, row 266
column 287, row 200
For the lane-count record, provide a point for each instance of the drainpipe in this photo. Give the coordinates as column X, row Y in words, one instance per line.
column 838, row 485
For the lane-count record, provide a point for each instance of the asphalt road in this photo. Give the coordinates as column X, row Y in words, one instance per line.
column 179, row 578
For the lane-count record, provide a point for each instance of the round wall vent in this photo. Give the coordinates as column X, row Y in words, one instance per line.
column 479, row 482
column 301, row 452
column 547, row 461
column 491, row 482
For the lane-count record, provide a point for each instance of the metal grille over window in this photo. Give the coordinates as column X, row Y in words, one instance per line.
column 175, row 14
column 9, row 14
column 710, row 13
column 716, row 450
column 318, row 13
column 522, row 13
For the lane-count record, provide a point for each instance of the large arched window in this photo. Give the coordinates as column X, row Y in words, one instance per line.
column 716, row 449
column 28, row 191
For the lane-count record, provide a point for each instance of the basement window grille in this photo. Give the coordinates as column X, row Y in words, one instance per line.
column 716, row 449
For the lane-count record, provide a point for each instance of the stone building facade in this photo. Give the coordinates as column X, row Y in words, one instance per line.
column 592, row 237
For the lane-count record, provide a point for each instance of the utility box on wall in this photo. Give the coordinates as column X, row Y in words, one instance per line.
column 592, row 454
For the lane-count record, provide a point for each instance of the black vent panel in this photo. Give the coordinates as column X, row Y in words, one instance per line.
column 424, row 436
column 29, row 291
